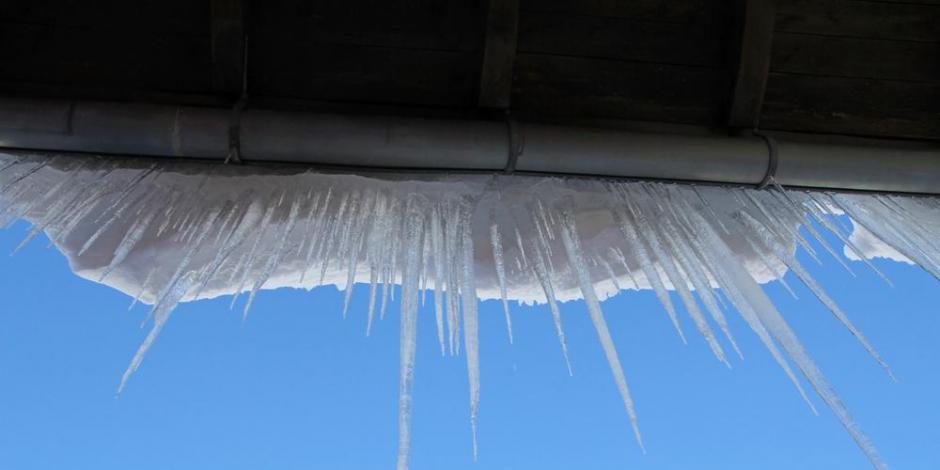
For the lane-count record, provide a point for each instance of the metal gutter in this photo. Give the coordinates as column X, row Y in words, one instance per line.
column 369, row 141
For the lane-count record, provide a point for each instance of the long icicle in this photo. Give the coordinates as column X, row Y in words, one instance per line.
column 409, row 324
column 575, row 255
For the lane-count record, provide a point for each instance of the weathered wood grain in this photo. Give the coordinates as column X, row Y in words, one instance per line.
column 855, row 106
column 852, row 18
column 439, row 25
column 168, row 16
column 228, row 45
column 620, row 38
column 499, row 54
column 578, row 88
column 752, row 64
column 132, row 59
column 853, row 57
column 362, row 74
column 681, row 11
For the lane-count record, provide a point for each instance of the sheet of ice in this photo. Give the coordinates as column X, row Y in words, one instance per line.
column 166, row 231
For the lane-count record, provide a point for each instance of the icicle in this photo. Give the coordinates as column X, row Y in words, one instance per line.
column 610, row 274
column 313, row 197
column 128, row 242
column 323, row 254
column 544, row 240
column 19, row 179
column 501, row 274
column 234, row 237
column 651, row 236
column 769, row 316
column 143, row 287
column 883, row 228
column 815, row 209
column 544, row 219
column 451, row 242
column 169, row 292
column 779, row 270
column 799, row 213
column 807, row 279
column 114, row 218
column 439, row 255
column 245, row 266
column 113, row 211
column 56, row 205
column 543, row 276
column 706, row 237
column 13, row 162
column 691, row 264
column 777, row 227
column 409, row 324
column 922, row 233
column 370, row 314
column 314, row 233
column 617, row 253
column 161, row 314
column 357, row 234
column 521, row 247
column 646, row 264
column 708, row 207
column 573, row 248
column 470, row 322
column 272, row 260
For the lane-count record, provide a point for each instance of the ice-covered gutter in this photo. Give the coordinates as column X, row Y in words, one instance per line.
column 467, row 145
column 497, row 218
column 165, row 231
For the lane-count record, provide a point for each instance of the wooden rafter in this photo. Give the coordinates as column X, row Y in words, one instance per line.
column 753, row 63
column 499, row 55
column 228, row 45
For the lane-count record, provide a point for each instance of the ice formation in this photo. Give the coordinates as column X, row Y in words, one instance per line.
column 166, row 231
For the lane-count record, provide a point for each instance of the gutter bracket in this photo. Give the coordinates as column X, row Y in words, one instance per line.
column 234, row 132
column 772, row 159
column 235, row 123
column 516, row 143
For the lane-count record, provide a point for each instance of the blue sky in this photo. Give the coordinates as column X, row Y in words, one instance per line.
column 298, row 387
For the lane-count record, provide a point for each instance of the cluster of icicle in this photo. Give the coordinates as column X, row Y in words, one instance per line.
column 166, row 232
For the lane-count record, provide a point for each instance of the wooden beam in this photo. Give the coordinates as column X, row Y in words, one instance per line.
column 499, row 53
column 753, row 63
column 228, row 45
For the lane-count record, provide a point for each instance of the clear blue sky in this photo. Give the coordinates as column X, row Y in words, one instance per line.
column 298, row 387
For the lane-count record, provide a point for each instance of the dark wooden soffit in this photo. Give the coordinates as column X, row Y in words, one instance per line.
column 499, row 53
column 855, row 67
column 753, row 63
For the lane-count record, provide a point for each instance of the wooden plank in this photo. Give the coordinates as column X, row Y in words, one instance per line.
column 850, row 18
column 499, row 54
column 853, row 57
column 577, row 88
column 853, row 106
column 620, row 38
column 28, row 11
column 753, row 64
column 18, row 42
column 455, row 25
column 69, row 91
column 676, row 11
column 169, row 16
column 920, row 2
column 228, row 46
column 280, row 68
column 140, row 60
